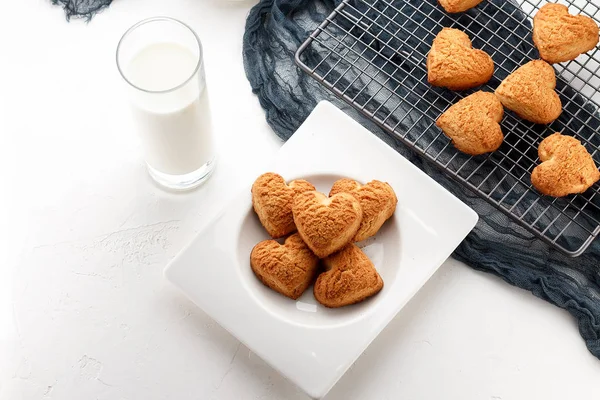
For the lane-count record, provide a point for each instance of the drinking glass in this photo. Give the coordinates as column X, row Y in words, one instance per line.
column 161, row 61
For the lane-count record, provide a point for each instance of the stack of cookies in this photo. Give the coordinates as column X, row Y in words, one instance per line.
column 473, row 124
column 320, row 234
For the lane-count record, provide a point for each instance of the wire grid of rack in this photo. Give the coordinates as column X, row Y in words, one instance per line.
column 372, row 54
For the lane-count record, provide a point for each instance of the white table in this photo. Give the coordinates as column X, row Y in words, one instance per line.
column 84, row 310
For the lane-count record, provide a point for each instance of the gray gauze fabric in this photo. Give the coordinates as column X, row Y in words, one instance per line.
column 82, row 8
column 274, row 31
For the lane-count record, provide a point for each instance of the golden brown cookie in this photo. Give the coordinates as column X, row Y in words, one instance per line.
column 350, row 278
column 454, row 63
column 473, row 123
column 529, row 92
column 288, row 269
column 378, row 202
column 272, row 200
column 457, row 6
column 566, row 167
column 560, row 36
column 326, row 224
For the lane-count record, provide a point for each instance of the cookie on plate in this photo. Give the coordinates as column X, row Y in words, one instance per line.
column 288, row 269
column 473, row 123
column 457, row 6
column 453, row 63
column 560, row 36
column 272, row 200
column 378, row 202
column 350, row 278
column 566, row 168
column 530, row 92
column 326, row 224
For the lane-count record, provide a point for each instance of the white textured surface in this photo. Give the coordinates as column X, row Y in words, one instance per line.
column 84, row 310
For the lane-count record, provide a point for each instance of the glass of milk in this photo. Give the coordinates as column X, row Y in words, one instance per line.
column 161, row 60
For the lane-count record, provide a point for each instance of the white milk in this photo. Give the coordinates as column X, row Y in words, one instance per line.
column 175, row 125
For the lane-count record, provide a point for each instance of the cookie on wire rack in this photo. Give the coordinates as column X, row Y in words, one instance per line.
column 457, row 6
column 566, row 168
column 560, row 36
column 453, row 63
column 530, row 93
column 473, row 123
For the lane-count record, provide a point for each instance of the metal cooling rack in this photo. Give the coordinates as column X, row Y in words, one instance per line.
column 372, row 53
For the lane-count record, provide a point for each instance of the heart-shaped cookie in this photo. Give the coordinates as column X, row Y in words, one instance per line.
column 560, row 36
column 454, row 63
column 272, row 200
column 288, row 269
column 326, row 224
column 566, row 167
column 378, row 202
column 529, row 92
column 457, row 6
column 350, row 278
column 473, row 123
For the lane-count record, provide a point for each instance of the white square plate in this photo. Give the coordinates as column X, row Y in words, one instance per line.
column 311, row 345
